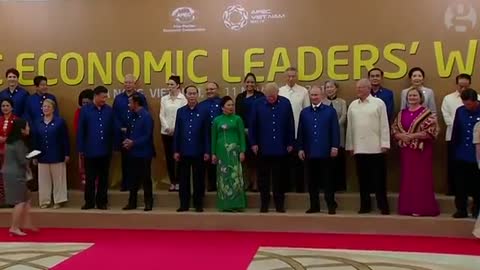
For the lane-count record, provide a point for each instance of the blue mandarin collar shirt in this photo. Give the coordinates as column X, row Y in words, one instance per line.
column 140, row 131
column 272, row 126
column 95, row 131
column 212, row 107
column 19, row 97
column 51, row 139
column 192, row 127
column 33, row 106
column 462, row 134
column 318, row 131
column 387, row 96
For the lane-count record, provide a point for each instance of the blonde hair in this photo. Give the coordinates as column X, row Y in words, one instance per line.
column 51, row 102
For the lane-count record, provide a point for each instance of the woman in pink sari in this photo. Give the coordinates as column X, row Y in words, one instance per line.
column 415, row 128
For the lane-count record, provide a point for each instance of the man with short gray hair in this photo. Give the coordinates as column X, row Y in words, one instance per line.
column 272, row 134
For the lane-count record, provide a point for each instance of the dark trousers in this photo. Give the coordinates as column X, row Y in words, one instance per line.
column 296, row 174
column 467, row 183
column 319, row 174
column 171, row 168
column 197, row 167
column 127, row 177
column 96, row 168
column 338, row 171
column 142, row 175
column 211, row 176
column 272, row 171
column 371, row 173
column 451, row 163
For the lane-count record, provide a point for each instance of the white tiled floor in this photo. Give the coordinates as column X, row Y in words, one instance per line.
column 29, row 256
column 289, row 258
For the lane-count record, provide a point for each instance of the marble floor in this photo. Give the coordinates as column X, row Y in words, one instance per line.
column 268, row 258
column 34, row 256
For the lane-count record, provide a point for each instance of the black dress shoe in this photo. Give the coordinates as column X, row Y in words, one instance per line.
column 182, row 209
column 364, row 211
column 385, row 212
column 102, row 207
column 129, row 207
column 199, row 209
column 263, row 210
column 280, row 210
column 332, row 211
column 87, row 206
column 460, row 214
column 148, row 208
column 312, row 210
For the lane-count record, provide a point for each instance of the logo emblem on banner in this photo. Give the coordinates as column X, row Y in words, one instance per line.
column 460, row 17
column 184, row 20
column 235, row 17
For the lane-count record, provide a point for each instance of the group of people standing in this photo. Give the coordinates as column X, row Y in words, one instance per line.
column 282, row 138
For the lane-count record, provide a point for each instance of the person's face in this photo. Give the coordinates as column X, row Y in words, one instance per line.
column 12, row 80
column 47, row 108
column 417, row 78
column 172, row 85
column 375, row 77
column 131, row 105
column 250, row 84
column 291, row 78
column 211, row 90
column 463, row 84
column 129, row 84
column 363, row 90
column 6, row 107
column 330, row 89
column 101, row 99
column 413, row 97
column 191, row 95
column 26, row 130
column 229, row 107
column 86, row 101
column 470, row 105
column 315, row 95
column 42, row 87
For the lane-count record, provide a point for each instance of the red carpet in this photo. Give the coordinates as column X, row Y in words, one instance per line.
column 141, row 249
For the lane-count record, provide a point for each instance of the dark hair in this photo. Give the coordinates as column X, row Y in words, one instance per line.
column 291, row 69
column 38, row 79
column 9, row 100
column 190, row 86
column 377, row 69
column 250, row 74
column 137, row 99
column 16, row 133
column 87, row 93
column 463, row 76
column 12, row 70
column 469, row 95
column 175, row 78
column 410, row 73
column 100, row 90
column 225, row 99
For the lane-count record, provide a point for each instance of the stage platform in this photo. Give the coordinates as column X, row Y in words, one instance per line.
column 295, row 220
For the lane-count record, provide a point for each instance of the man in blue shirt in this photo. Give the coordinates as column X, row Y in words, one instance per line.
column 95, row 142
column 34, row 103
column 467, row 171
column 122, row 115
column 375, row 75
column 212, row 106
column 191, row 147
column 318, row 141
column 15, row 92
column 272, row 134
column 138, row 143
